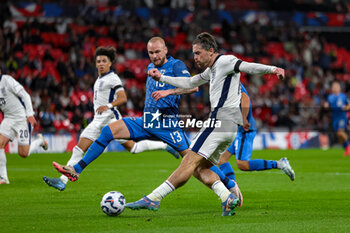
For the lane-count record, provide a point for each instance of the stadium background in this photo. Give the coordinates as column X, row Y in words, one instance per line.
column 310, row 38
column 48, row 47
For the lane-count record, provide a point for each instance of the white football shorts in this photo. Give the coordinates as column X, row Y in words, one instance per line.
column 93, row 130
column 210, row 143
column 11, row 127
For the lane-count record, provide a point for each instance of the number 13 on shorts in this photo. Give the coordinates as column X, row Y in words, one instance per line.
column 176, row 136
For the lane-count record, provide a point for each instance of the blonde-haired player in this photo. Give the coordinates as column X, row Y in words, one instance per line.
column 108, row 95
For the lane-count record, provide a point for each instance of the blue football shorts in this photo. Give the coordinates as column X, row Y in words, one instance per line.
column 175, row 137
column 242, row 146
column 339, row 123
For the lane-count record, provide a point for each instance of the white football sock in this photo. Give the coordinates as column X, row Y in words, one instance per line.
column 219, row 188
column 34, row 146
column 3, row 170
column 159, row 193
column 148, row 145
column 279, row 164
column 77, row 155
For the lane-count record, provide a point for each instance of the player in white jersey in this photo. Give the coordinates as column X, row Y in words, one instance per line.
column 222, row 73
column 108, row 95
column 16, row 105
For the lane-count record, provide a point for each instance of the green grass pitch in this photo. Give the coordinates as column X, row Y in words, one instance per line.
column 317, row 201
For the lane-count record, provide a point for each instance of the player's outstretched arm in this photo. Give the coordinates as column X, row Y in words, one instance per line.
column 157, row 95
column 182, row 82
column 256, row 68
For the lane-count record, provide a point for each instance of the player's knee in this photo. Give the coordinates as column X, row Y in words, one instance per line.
column 243, row 165
column 341, row 133
column 23, row 154
column 129, row 147
column 184, row 152
column 341, row 136
column 225, row 157
column 190, row 161
column 196, row 173
column 23, row 151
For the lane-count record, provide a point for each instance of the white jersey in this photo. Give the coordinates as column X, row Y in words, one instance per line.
column 225, row 88
column 105, row 89
column 225, row 97
column 11, row 103
column 224, row 79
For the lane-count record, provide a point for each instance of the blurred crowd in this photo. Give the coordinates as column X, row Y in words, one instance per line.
column 53, row 59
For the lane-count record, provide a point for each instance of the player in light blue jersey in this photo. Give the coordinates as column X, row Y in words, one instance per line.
column 242, row 147
column 108, row 95
column 160, row 115
column 339, row 104
column 150, row 126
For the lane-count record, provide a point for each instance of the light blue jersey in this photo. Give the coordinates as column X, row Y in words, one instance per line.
column 169, row 104
column 160, row 117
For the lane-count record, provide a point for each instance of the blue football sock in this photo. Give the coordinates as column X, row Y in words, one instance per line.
column 227, row 169
column 227, row 182
column 345, row 144
column 95, row 149
column 260, row 164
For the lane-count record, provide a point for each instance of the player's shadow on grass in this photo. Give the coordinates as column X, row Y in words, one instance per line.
column 164, row 214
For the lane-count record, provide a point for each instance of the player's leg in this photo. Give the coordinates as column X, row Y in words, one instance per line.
column 209, row 144
column 79, row 150
column 24, row 135
column 229, row 183
column 178, row 178
column 168, row 135
column 343, row 139
column 229, row 198
column 192, row 163
column 3, row 170
column 146, row 145
column 225, row 166
column 339, row 127
column 262, row 164
column 37, row 143
column 115, row 130
column 227, row 171
column 245, row 163
column 244, row 150
column 78, row 153
column 7, row 133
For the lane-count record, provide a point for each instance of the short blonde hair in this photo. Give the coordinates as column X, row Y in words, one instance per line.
column 155, row 39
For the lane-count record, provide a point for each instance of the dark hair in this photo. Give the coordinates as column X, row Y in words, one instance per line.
column 106, row 51
column 207, row 41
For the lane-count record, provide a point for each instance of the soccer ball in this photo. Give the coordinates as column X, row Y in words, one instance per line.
column 113, row 203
